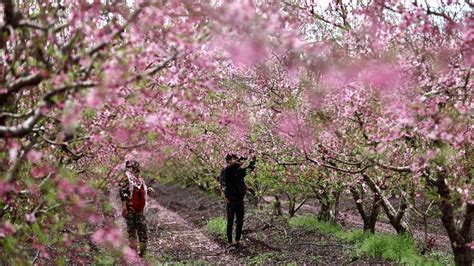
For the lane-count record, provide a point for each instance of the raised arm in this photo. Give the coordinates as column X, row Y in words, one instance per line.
column 251, row 166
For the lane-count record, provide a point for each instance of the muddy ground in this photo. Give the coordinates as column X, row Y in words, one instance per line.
column 177, row 218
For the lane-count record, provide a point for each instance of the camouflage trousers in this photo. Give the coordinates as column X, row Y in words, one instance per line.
column 136, row 226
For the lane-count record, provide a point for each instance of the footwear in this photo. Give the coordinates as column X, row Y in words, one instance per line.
column 231, row 247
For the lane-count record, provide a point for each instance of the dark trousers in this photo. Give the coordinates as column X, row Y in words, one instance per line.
column 235, row 209
column 136, row 226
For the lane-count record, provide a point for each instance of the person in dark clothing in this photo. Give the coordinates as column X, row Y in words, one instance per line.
column 133, row 193
column 232, row 180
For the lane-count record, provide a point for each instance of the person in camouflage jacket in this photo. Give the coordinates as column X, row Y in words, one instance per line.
column 133, row 194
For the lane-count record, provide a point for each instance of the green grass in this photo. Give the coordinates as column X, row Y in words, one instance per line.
column 105, row 257
column 397, row 248
column 265, row 258
column 217, row 226
column 352, row 236
column 311, row 223
column 390, row 247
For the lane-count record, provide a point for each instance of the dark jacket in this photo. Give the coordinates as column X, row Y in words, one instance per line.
column 232, row 179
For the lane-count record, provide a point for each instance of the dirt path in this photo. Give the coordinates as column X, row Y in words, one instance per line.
column 171, row 238
column 176, row 218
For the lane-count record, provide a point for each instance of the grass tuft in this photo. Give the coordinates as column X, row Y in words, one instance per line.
column 398, row 248
column 267, row 258
column 217, row 226
column 390, row 247
column 311, row 223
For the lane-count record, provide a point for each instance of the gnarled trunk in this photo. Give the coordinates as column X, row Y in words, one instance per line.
column 369, row 218
column 277, row 210
column 293, row 206
column 395, row 217
column 329, row 205
column 460, row 237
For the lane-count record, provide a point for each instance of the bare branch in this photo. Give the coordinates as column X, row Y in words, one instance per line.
column 65, row 147
column 117, row 32
column 401, row 169
column 348, row 171
column 32, row 24
column 26, row 127
column 20, row 83
column 23, row 128
column 12, row 115
column 75, row 86
column 347, row 162
column 162, row 65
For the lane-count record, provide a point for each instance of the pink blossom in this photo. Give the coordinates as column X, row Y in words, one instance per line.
column 248, row 52
column 30, row 217
column 66, row 240
column 130, row 255
column 40, row 171
column 94, row 99
column 122, row 134
column 111, row 237
column 34, row 156
column 7, row 229
column 153, row 120
column 296, row 130
column 5, row 187
column 12, row 153
column 70, row 117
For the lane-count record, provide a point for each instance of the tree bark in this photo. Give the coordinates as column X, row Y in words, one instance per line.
column 277, row 210
column 369, row 218
column 329, row 206
column 460, row 238
column 395, row 217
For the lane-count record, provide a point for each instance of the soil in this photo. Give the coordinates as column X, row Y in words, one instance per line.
column 177, row 218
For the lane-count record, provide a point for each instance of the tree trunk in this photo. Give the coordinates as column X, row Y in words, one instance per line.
column 291, row 206
column 395, row 217
column 329, row 207
column 326, row 213
column 369, row 219
column 336, row 196
column 277, row 206
column 460, row 237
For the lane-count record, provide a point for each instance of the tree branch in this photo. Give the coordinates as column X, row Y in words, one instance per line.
column 358, row 171
column 26, row 127
column 400, row 169
column 12, row 115
column 20, row 83
column 117, row 32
